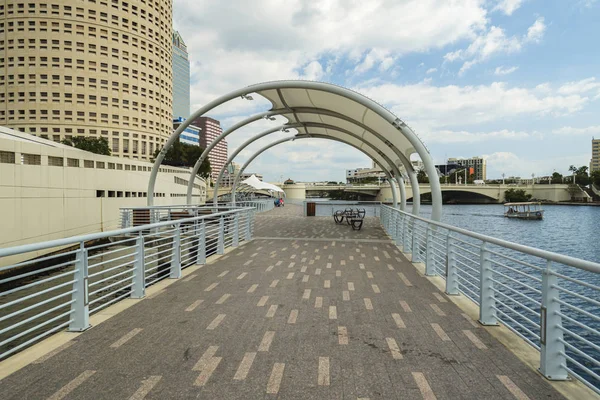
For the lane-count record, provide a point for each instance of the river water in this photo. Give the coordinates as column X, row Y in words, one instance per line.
column 569, row 230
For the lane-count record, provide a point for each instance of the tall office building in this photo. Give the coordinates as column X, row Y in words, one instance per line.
column 210, row 129
column 595, row 161
column 190, row 135
column 88, row 68
column 477, row 163
column 181, row 78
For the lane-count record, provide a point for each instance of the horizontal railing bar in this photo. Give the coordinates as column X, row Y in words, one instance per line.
column 104, row 271
column 517, row 282
column 555, row 257
column 568, row 278
column 535, row 335
column 581, row 353
column 108, row 303
column 31, row 307
column 111, row 293
column 37, row 260
column 25, row 321
column 575, row 308
column 528, row 276
column 576, row 336
column 536, row 302
column 96, row 283
column 114, row 259
column 108, row 252
column 586, row 369
column 101, row 235
column 25, row 332
column 36, row 283
column 567, row 291
column 579, row 324
column 34, row 339
column 36, row 272
column 515, row 260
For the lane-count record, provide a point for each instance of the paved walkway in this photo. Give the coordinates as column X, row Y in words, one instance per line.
column 307, row 315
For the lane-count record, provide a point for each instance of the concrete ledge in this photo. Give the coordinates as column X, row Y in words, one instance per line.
column 50, row 344
column 572, row 389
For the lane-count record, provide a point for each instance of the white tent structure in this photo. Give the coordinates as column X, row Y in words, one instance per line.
column 257, row 184
column 325, row 111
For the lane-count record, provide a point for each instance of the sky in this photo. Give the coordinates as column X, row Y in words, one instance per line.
column 514, row 81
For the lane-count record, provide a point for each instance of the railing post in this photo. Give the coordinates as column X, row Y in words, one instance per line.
column 201, row 254
column 552, row 358
column 236, row 229
column 138, row 290
column 221, row 240
column 451, row 269
column 429, row 266
column 487, row 298
column 248, row 225
column 398, row 229
column 80, row 310
column 414, row 246
column 405, row 237
column 176, row 257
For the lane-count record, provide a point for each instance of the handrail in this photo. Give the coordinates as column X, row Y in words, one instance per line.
column 559, row 258
column 26, row 248
column 533, row 293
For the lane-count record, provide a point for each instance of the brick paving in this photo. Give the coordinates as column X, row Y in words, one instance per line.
column 307, row 310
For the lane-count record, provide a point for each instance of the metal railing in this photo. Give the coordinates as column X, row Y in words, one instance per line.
column 85, row 274
column 548, row 299
column 136, row 216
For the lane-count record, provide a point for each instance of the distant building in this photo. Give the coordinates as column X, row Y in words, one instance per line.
column 191, row 134
column 477, row 163
column 358, row 174
column 595, row 161
column 448, row 168
column 181, row 78
column 210, row 129
column 88, row 68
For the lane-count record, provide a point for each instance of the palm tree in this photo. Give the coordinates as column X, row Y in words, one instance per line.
column 573, row 169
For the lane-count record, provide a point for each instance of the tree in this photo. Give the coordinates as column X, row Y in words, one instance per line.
column 595, row 177
column 91, row 144
column 422, row 177
column 185, row 155
column 573, row 169
column 557, row 178
column 573, row 190
column 516, row 195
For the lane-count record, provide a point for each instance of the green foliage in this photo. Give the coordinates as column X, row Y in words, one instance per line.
column 91, row 144
column 595, row 177
column 573, row 190
column 185, row 155
column 557, row 178
column 422, row 177
column 516, row 195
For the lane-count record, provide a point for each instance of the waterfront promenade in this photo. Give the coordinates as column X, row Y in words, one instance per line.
column 307, row 310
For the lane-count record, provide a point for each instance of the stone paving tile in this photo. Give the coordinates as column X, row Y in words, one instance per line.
column 172, row 341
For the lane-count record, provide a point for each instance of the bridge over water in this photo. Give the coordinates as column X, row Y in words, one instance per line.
column 306, row 309
column 482, row 193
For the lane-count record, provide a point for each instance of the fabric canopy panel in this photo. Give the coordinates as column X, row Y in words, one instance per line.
column 307, row 106
column 256, row 183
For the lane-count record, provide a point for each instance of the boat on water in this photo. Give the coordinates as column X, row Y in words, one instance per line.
column 526, row 210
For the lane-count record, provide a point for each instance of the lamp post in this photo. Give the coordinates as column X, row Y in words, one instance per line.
column 532, row 179
column 503, row 178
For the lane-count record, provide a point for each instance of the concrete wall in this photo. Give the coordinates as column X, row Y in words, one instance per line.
column 44, row 202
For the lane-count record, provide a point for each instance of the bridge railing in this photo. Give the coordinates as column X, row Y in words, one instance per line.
column 84, row 274
column 136, row 216
column 550, row 300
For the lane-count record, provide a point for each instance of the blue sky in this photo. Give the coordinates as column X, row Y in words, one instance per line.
column 515, row 81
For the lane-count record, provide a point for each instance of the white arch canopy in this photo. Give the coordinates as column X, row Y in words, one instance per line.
column 307, row 102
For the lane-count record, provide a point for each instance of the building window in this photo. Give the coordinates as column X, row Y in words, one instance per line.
column 72, row 162
column 31, row 159
column 7, row 157
column 56, row 161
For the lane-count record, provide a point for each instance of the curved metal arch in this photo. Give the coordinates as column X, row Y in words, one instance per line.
column 283, row 111
column 307, row 136
column 385, row 114
column 391, row 164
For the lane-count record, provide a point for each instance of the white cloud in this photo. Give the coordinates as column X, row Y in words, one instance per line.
column 431, row 71
column 512, row 164
column 450, row 136
column 431, row 108
column 508, row 6
column 373, row 57
column 313, row 71
column 505, row 71
column 580, row 87
column 569, row 130
column 493, row 42
column 260, row 41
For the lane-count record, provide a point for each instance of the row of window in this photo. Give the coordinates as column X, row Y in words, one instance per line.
column 116, row 21
column 9, row 157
